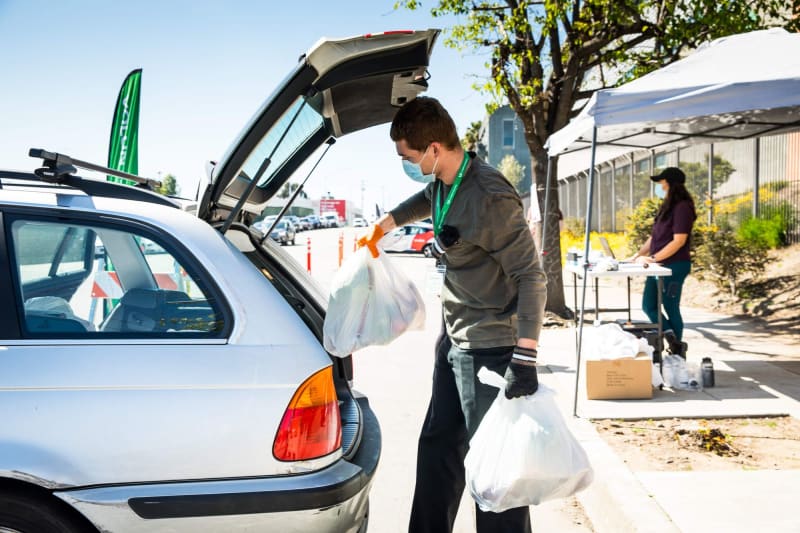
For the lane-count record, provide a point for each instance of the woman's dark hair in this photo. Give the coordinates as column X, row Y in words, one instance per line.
column 677, row 193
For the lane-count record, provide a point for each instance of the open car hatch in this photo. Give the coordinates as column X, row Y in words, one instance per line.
column 340, row 86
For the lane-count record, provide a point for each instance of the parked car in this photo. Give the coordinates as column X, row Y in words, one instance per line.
column 264, row 224
column 330, row 220
column 187, row 390
column 283, row 233
column 313, row 221
column 297, row 222
column 410, row 238
column 359, row 222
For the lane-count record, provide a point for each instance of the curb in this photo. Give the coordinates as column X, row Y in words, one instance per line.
column 616, row 501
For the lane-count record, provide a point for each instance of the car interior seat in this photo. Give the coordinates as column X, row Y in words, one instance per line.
column 144, row 310
column 53, row 314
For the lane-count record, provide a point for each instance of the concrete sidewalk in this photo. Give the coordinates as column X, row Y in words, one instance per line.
column 757, row 374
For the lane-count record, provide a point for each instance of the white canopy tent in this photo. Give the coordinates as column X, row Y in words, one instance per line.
column 736, row 87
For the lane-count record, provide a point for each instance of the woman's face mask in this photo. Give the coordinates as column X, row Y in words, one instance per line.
column 660, row 191
column 414, row 170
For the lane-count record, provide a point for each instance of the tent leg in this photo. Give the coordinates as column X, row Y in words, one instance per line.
column 542, row 251
column 590, row 198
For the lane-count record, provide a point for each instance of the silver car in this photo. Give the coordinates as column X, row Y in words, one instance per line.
column 188, row 389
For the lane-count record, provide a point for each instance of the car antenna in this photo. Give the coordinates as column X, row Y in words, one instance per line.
column 282, row 212
column 257, row 177
column 59, row 167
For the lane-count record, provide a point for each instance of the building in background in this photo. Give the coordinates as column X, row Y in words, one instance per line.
column 505, row 135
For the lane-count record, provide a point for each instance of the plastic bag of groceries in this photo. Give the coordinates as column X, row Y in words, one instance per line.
column 371, row 302
column 610, row 341
column 523, row 453
column 681, row 375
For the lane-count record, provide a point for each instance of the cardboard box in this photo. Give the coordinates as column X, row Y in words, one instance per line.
column 620, row 379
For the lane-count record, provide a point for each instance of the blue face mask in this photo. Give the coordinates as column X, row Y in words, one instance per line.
column 660, row 192
column 414, row 170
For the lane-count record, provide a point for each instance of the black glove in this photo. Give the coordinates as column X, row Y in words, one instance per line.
column 447, row 237
column 521, row 377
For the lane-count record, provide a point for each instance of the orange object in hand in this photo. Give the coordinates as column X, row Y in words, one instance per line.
column 370, row 240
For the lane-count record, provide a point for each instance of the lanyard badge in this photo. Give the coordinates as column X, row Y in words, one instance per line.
column 440, row 211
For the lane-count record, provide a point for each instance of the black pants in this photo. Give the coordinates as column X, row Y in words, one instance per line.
column 458, row 403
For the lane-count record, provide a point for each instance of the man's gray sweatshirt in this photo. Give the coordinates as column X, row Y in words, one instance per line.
column 494, row 290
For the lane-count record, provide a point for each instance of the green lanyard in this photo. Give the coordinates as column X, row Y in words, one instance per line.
column 441, row 212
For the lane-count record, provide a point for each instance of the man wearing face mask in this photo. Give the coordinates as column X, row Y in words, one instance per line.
column 669, row 244
column 492, row 304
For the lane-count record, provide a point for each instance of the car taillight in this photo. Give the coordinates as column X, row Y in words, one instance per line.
column 311, row 426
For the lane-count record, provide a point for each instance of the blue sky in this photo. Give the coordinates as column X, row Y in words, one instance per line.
column 207, row 66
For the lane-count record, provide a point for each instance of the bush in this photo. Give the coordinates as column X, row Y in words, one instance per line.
column 763, row 232
column 718, row 253
column 640, row 223
column 575, row 226
column 726, row 259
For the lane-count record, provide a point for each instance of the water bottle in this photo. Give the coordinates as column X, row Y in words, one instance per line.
column 707, row 368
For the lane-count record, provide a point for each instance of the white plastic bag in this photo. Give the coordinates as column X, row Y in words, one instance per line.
column 680, row 375
column 655, row 376
column 371, row 302
column 610, row 341
column 523, row 453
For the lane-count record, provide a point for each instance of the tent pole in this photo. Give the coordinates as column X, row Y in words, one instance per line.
column 756, row 176
column 613, row 195
column 589, row 198
column 542, row 251
column 710, row 190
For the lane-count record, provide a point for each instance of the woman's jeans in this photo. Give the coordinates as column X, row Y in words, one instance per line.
column 670, row 297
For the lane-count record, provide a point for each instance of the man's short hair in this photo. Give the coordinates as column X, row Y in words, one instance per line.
column 422, row 121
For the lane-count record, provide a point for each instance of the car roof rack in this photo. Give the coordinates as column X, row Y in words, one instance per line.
column 59, row 169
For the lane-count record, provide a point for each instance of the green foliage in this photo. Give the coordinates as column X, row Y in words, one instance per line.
column 640, row 223
column 776, row 186
column 718, row 252
column 782, row 210
column 763, row 232
column 697, row 175
column 539, row 48
column 169, row 186
column 544, row 54
column 726, row 259
column 575, row 226
column 473, row 139
column 513, row 171
column 288, row 189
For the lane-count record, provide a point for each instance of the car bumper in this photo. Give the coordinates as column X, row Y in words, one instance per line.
column 330, row 500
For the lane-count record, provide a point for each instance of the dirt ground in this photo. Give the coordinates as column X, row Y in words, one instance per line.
column 771, row 302
column 714, row 444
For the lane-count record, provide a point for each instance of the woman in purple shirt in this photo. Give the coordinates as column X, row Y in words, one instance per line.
column 669, row 245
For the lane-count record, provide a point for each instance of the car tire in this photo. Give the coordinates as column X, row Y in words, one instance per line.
column 427, row 250
column 292, row 241
column 27, row 513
